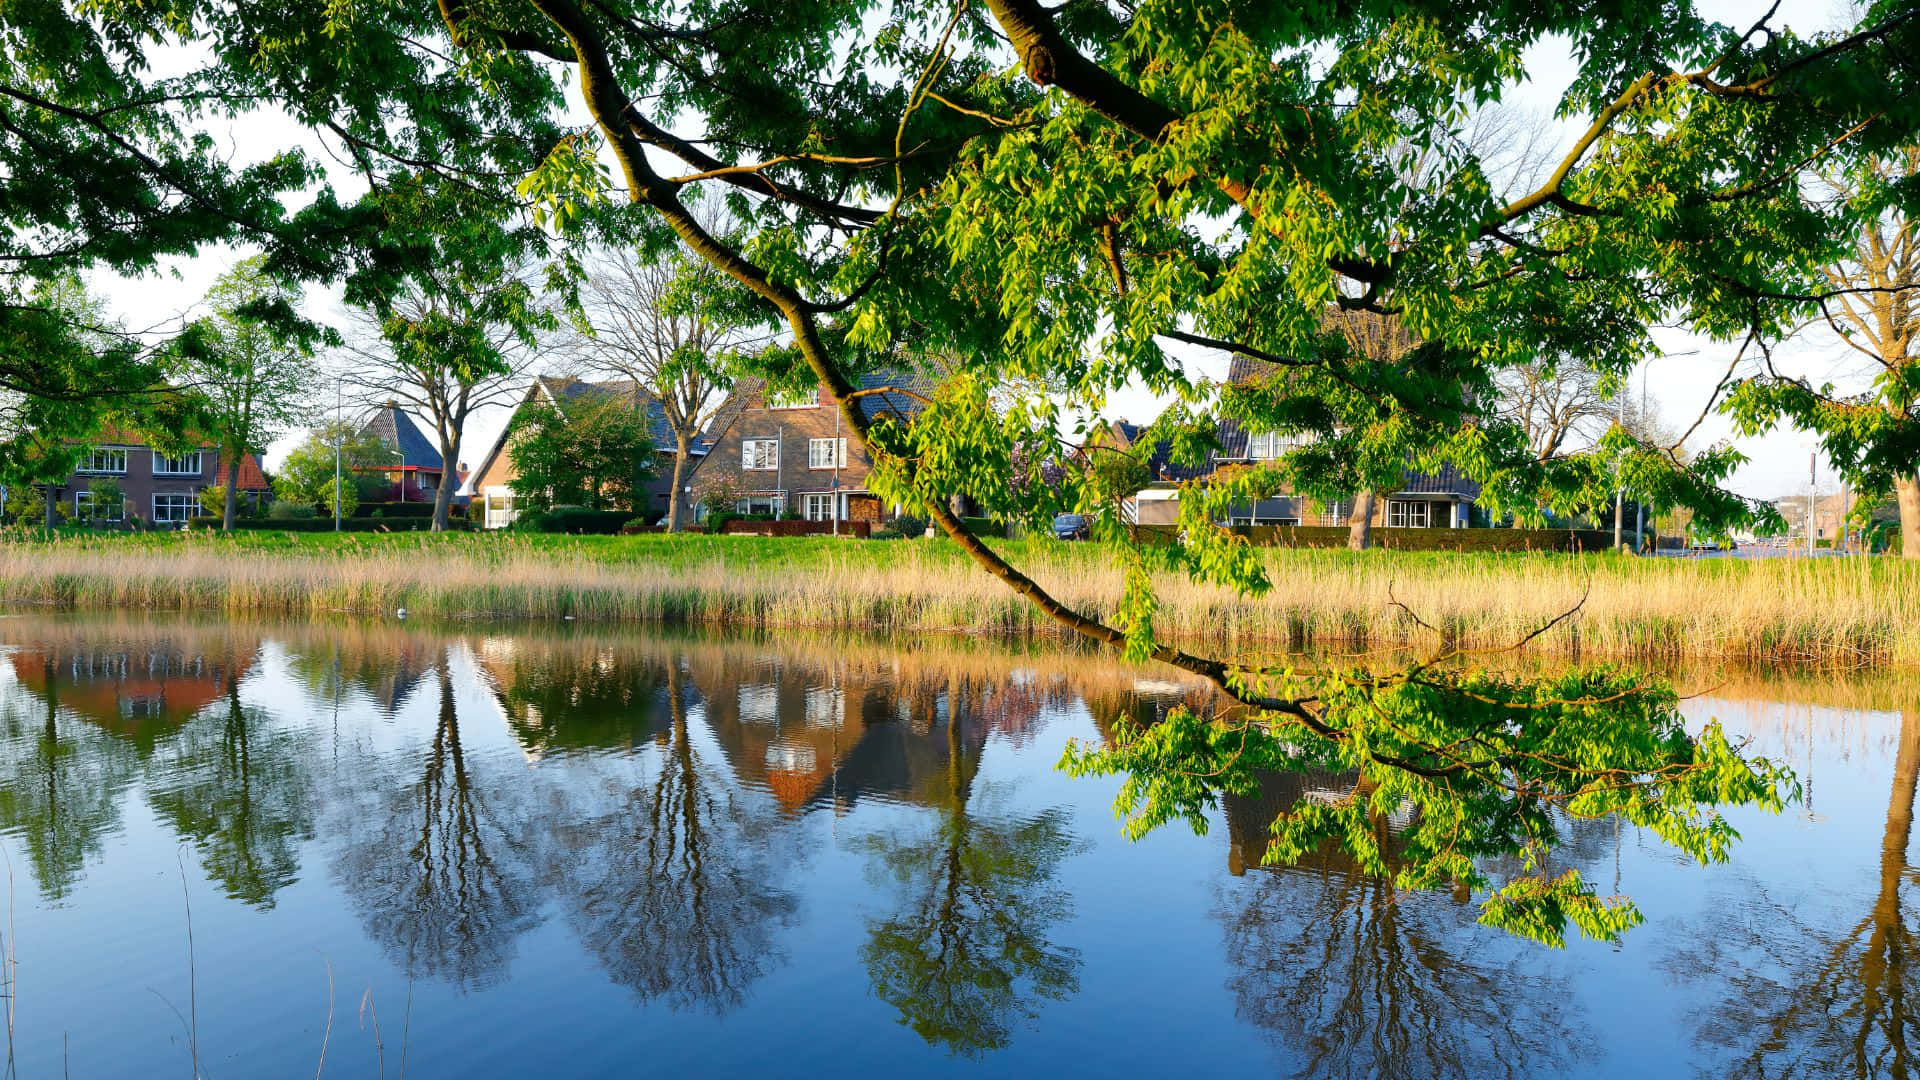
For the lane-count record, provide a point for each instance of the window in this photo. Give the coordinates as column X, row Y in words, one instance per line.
column 175, row 507
column 760, row 453
column 1270, row 445
column 772, row 505
column 107, row 460
column 817, row 507
column 184, row 465
column 83, row 507
column 826, row 453
column 1409, row 515
column 801, row 399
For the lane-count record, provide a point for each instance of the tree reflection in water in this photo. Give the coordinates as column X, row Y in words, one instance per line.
column 966, row 953
column 60, row 783
column 242, row 793
column 88, row 708
column 1355, row 980
column 675, row 887
column 1844, row 1007
column 440, row 879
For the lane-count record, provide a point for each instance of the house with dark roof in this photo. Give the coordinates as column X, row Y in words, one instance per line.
column 492, row 482
column 1442, row 500
column 153, row 485
column 414, row 465
column 790, row 454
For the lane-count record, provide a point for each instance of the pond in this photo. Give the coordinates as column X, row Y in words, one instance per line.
column 506, row 851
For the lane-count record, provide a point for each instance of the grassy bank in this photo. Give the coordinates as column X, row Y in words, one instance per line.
column 1838, row 611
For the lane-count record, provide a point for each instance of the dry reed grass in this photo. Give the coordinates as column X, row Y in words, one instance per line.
column 1841, row 612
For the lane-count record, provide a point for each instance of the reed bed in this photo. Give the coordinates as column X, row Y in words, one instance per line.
column 1841, row 612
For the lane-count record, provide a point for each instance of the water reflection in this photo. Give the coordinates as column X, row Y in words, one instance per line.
column 1360, row 981
column 966, row 954
column 675, row 883
column 1813, row 1001
column 782, row 839
column 241, row 791
column 88, row 713
column 444, row 872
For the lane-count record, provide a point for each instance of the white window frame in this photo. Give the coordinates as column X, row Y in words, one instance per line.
column 83, row 499
column 818, row 506
column 1409, row 514
column 193, row 507
column 776, row 503
column 759, row 455
column 166, row 466
column 93, row 467
column 804, row 399
column 826, row 453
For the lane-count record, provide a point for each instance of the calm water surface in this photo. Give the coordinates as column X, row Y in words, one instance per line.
column 523, row 852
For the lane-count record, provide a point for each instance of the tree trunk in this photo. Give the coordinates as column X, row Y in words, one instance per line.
column 443, row 498
column 682, row 449
column 1907, row 492
column 1360, row 524
column 233, row 492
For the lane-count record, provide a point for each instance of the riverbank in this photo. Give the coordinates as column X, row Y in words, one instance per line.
column 1841, row 612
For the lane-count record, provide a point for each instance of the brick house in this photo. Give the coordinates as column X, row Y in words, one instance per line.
column 782, row 455
column 492, row 483
column 153, row 486
column 1444, row 500
column 414, row 467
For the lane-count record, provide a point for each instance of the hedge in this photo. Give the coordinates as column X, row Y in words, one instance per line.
column 575, row 520
column 1322, row 536
column 352, row 524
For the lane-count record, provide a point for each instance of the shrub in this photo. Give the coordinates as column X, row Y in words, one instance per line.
column 577, row 520
column 983, row 526
column 282, row 510
column 390, row 509
column 907, row 525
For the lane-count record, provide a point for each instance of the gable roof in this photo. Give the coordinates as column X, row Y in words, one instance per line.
column 396, row 430
column 565, row 391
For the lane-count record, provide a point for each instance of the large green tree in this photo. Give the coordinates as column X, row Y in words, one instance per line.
column 1062, row 191
column 250, row 364
column 107, row 166
column 597, row 453
column 1872, row 301
column 1056, row 194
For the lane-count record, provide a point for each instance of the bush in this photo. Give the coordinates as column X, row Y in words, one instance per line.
column 576, row 520
column 282, row 510
column 906, row 525
column 983, row 526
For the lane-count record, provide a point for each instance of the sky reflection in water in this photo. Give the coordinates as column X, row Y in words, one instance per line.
column 585, row 853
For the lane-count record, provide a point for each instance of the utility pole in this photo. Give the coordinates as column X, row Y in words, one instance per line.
column 1813, row 481
column 1619, row 492
column 339, row 438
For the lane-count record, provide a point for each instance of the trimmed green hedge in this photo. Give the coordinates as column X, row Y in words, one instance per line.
column 1322, row 536
column 352, row 524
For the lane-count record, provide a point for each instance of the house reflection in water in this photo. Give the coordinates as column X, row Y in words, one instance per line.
column 134, row 686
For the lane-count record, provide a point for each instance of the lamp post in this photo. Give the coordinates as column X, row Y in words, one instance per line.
column 339, row 438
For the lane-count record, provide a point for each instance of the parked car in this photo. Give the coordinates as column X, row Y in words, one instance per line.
column 1070, row 527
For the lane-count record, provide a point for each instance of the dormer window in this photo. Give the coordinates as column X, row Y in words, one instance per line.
column 793, row 399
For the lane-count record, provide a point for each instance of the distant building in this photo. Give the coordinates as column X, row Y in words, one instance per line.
column 492, row 482
column 414, row 467
column 781, row 455
column 154, row 486
column 1444, row 500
